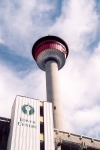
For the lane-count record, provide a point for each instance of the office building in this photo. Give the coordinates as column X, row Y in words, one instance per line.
column 31, row 125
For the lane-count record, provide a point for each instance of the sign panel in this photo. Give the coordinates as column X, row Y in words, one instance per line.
column 25, row 125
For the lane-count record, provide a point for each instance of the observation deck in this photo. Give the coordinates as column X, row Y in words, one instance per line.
column 50, row 48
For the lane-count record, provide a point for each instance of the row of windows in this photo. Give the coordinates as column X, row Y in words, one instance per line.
column 50, row 42
column 41, row 128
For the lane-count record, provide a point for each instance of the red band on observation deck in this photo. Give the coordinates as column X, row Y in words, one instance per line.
column 45, row 46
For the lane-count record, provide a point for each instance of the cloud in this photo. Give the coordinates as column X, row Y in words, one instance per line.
column 77, row 24
column 1, row 41
column 11, row 85
column 23, row 22
column 80, row 86
column 86, row 120
column 81, row 78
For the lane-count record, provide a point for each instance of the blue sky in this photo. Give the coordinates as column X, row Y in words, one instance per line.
column 77, row 22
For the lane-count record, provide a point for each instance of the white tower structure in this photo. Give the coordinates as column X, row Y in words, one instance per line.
column 50, row 53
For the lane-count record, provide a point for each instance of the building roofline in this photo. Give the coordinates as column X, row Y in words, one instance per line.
column 5, row 119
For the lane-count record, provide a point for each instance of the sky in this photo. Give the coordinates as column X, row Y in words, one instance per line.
column 78, row 23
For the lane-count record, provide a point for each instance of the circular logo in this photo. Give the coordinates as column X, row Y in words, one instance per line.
column 27, row 109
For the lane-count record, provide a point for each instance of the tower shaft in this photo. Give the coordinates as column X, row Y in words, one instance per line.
column 50, row 53
column 54, row 94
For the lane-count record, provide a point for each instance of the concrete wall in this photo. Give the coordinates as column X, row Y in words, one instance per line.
column 54, row 94
column 48, row 127
column 25, row 125
column 25, row 129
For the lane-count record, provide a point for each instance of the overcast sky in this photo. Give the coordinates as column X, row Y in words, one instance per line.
column 22, row 22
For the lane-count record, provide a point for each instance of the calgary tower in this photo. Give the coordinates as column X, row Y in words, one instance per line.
column 50, row 53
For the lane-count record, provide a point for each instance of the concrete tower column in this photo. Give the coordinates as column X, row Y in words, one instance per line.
column 53, row 93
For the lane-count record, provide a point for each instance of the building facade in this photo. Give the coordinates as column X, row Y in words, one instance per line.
column 4, row 132
column 31, row 125
column 31, row 128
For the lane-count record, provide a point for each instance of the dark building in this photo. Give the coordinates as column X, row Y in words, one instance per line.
column 4, row 132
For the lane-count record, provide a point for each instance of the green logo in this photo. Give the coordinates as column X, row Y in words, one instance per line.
column 27, row 109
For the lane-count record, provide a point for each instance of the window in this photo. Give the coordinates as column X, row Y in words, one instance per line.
column 41, row 145
column 41, row 127
column 41, row 110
